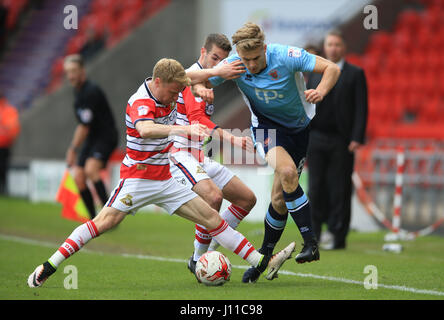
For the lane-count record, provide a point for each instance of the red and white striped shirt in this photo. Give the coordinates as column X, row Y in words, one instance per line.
column 147, row 158
column 191, row 110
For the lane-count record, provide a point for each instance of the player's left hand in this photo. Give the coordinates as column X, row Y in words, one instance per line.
column 244, row 143
column 231, row 70
column 313, row 96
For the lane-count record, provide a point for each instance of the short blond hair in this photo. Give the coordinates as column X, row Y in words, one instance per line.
column 249, row 37
column 170, row 70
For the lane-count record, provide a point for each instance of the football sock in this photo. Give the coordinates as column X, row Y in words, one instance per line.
column 202, row 241
column 89, row 202
column 274, row 225
column 233, row 215
column 299, row 208
column 233, row 240
column 101, row 191
column 78, row 238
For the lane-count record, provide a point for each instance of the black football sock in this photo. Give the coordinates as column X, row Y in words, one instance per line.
column 274, row 225
column 300, row 210
column 101, row 191
column 89, row 202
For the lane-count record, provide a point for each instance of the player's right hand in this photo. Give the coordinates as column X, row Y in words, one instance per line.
column 198, row 131
column 205, row 94
column 231, row 70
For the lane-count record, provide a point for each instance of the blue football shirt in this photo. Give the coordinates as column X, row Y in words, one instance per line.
column 275, row 96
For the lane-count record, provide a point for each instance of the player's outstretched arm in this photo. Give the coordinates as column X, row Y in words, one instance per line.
column 330, row 76
column 244, row 143
column 227, row 71
column 150, row 129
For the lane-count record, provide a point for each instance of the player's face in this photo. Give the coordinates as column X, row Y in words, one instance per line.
column 213, row 57
column 74, row 73
column 334, row 48
column 168, row 92
column 254, row 60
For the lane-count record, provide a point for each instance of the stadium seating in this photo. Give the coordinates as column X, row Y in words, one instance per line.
column 109, row 20
column 405, row 75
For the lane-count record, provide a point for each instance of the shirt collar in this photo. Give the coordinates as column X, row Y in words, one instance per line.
column 340, row 63
column 148, row 90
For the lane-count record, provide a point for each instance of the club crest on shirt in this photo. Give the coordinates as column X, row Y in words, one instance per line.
column 199, row 169
column 274, row 74
column 142, row 110
column 209, row 109
column 141, row 166
column 127, row 200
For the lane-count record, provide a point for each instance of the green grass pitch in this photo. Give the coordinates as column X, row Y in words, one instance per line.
column 144, row 258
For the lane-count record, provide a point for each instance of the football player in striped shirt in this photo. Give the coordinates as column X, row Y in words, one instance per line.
column 281, row 108
column 189, row 165
column 146, row 179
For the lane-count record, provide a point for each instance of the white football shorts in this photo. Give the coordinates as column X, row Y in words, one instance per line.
column 187, row 170
column 132, row 194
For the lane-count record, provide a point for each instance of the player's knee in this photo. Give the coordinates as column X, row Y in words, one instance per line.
column 214, row 198
column 288, row 176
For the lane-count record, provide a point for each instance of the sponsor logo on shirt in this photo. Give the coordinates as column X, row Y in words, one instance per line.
column 294, row 52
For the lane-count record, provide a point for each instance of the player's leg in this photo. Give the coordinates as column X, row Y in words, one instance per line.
column 295, row 199
column 242, row 200
column 107, row 218
column 275, row 218
column 198, row 211
column 190, row 173
column 212, row 195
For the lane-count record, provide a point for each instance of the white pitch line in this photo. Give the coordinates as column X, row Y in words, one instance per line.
column 281, row 272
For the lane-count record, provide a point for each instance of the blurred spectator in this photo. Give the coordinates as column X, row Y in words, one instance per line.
column 337, row 131
column 9, row 130
column 93, row 44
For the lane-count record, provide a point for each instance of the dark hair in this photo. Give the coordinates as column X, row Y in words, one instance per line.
column 75, row 58
column 335, row 32
column 218, row 39
column 312, row 49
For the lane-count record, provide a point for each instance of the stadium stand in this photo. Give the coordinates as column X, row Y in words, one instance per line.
column 43, row 35
column 404, row 74
column 108, row 21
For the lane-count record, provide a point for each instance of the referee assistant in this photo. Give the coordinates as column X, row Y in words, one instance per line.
column 95, row 136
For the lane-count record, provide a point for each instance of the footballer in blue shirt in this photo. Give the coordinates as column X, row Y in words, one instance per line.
column 281, row 108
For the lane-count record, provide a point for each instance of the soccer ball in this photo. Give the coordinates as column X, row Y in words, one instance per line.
column 213, row 269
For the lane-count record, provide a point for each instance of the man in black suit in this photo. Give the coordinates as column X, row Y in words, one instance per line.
column 337, row 131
